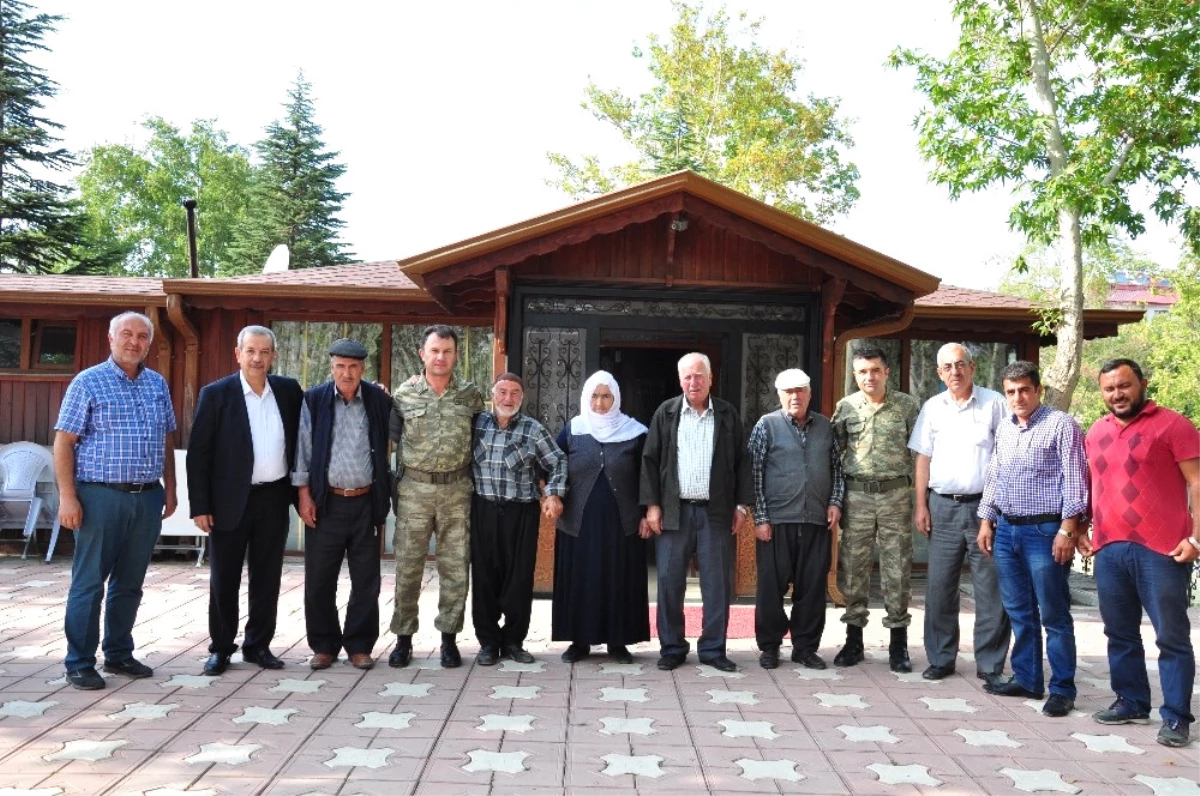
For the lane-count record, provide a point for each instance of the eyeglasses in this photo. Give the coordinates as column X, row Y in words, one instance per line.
column 949, row 366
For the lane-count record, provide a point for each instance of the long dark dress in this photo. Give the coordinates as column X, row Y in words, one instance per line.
column 600, row 576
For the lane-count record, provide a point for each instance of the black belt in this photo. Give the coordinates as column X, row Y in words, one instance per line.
column 687, row 502
column 134, row 488
column 959, row 498
column 1032, row 519
column 423, row 477
column 268, row 484
column 873, row 487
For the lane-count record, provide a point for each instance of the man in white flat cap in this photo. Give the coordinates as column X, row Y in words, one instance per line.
column 796, row 469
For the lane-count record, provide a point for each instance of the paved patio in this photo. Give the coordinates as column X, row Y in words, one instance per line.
column 596, row 727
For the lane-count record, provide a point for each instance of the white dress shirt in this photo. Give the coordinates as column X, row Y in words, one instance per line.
column 266, row 434
column 958, row 439
column 695, row 451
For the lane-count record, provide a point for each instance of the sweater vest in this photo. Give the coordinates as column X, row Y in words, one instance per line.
column 797, row 477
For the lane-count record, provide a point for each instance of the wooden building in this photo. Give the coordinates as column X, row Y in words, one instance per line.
column 629, row 282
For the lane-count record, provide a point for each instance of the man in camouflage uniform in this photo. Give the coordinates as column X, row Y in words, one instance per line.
column 872, row 428
column 433, row 492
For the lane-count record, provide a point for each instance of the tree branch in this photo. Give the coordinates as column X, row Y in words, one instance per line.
column 1122, row 157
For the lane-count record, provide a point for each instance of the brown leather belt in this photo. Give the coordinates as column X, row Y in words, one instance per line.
column 359, row 492
column 874, row 487
column 422, row 477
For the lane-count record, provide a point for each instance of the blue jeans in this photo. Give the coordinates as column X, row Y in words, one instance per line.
column 113, row 543
column 1130, row 577
column 1033, row 588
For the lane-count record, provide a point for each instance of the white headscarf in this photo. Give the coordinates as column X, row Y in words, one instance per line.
column 615, row 426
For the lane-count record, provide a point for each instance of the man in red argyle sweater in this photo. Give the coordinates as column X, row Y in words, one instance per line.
column 1144, row 464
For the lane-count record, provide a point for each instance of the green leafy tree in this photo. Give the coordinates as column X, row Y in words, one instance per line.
column 732, row 113
column 293, row 199
column 133, row 197
column 1076, row 106
column 42, row 230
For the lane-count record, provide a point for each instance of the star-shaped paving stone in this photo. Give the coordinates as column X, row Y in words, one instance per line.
column 257, row 715
column 608, row 694
column 748, row 729
column 21, row 709
column 1040, row 780
column 710, row 671
column 386, row 721
column 189, row 681
column 876, row 734
column 513, row 666
column 406, row 690
column 614, row 725
column 516, row 691
column 955, row 705
column 1174, row 786
column 142, row 710
column 427, row 663
column 26, row 652
column 904, row 775
column 1107, row 743
column 85, row 750
column 231, row 754
column 732, row 697
column 624, row 669
column 504, row 762
column 353, row 756
column 37, row 584
column 988, row 738
column 818, row 674
column 640, row 765
column 496, row 723
column 841, row 700
column 287, row 686
column 769, row 769
column 1094, row 682
column 914, row 677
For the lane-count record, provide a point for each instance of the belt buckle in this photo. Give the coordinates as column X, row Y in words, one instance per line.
column 872, row 487
column 137, row 489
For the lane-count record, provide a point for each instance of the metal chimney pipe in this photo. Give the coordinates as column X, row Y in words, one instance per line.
column 193, row 262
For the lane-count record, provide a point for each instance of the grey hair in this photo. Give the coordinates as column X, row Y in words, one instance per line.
column 970, row 360
column 255, row 331
column 702, row 357
column 124, row 316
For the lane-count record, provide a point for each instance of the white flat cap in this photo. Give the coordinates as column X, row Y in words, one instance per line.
column 792, row 379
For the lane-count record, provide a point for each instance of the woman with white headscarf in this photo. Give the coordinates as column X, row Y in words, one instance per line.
column 600, row 553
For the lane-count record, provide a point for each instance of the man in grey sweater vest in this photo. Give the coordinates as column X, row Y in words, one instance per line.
column 796, row 467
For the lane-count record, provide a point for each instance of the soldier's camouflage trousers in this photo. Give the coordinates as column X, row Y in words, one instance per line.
column 869, row 520
column 426, row 509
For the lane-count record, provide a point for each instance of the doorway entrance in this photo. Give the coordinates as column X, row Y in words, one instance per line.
column 648, row 372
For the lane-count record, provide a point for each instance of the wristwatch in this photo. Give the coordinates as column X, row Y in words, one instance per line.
column 1066, row 533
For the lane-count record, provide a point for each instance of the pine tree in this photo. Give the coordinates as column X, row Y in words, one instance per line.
column 293, row 199
column 42, row 230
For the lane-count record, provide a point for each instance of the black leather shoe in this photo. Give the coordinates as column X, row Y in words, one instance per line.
column 670, row 661
column 1058, row 706
column 517, row 653
column 451, row 658
column 487, row 656
column 130, row 668
column 216, row 664
column 769, row 658
column 808, row 659
column 720, row 663
column 935, row 672
column 402, row 654
column 264, row 659
column 576, row 652
column 86, row 679
column 1011, row 688
column 620, row 653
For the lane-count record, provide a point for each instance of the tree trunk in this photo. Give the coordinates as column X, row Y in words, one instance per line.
column 1063, row 374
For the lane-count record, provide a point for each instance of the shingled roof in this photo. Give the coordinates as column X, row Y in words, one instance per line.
column 60, row 289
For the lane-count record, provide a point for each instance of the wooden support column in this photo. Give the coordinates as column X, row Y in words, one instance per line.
column 500, row 324
column 831, row 296
column 191, row 363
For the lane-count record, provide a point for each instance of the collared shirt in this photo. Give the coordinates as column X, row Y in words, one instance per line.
column 266, row 434
column 760, row 443
column 121, row 424
column 874, row 437
column 958, row 439
column 434, row 430
column 1138, row 492
column 694, row 460
column 350, row 450
column 508, row 462
column 1036, row 469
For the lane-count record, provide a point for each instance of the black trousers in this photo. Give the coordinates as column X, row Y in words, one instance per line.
column 797, row 556
column 258, row 539
column 344, row 530
column 503, row 553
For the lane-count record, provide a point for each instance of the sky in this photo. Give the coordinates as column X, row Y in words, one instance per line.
column 443, row 112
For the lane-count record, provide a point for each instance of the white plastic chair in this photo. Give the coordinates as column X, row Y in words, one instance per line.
column 22, row 463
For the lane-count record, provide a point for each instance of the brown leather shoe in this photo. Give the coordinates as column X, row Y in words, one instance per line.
column 321, row 660
column 361, row 660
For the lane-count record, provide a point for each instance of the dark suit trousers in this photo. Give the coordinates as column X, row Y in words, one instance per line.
column 503, row 553
column 344, row 530
column 259, row 538
column 714, row 551
column 797, row 556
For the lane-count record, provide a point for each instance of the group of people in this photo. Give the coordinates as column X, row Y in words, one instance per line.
column 1000, row 482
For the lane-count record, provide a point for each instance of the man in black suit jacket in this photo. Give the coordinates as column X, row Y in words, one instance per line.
column 239, row 461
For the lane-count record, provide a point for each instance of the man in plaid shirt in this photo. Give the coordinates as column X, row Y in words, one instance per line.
column 511, row 452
